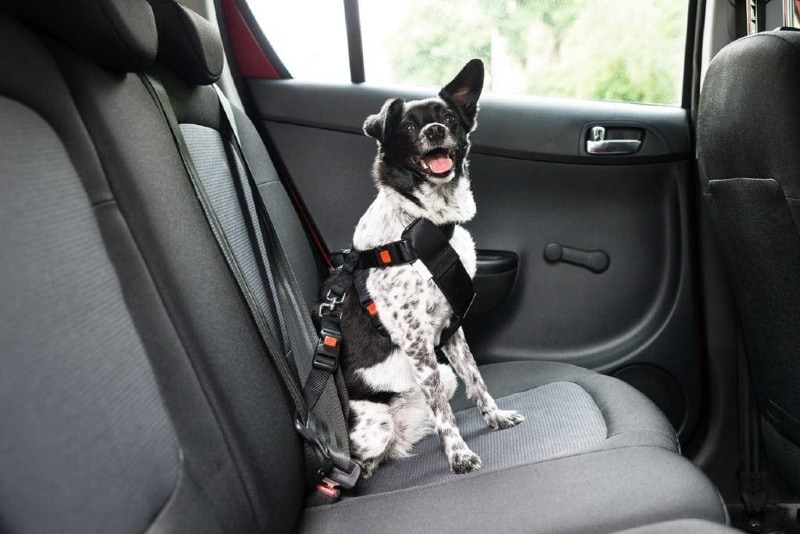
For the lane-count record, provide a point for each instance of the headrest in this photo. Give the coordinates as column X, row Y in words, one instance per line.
column 188, row 43
column 119, row 35
column 747, row 119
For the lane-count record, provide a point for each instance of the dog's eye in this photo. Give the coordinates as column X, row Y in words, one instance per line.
column 449, row 119
column 409, row 126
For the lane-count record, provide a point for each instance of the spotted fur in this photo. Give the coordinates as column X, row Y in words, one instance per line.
column 413, row 184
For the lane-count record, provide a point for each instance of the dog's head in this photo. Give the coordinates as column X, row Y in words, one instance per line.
column 427, row 141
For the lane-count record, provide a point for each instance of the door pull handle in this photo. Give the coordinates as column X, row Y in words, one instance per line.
column 597, row 143
column 596, row 261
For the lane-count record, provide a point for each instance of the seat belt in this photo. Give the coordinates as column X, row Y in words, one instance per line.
column 753, row 481
column 326, row 465
column 334, row 408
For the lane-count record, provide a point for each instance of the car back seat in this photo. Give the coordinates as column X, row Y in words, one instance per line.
column 221, row 454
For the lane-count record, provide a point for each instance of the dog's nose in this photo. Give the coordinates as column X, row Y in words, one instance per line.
column 435, row 132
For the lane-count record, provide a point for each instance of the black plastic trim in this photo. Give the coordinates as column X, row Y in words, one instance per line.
column 494, row 280
column 355, row 49
column 496, row 262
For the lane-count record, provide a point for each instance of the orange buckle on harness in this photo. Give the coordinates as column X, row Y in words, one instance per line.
column 372, row 308
column 385, row 256
column 330, row 341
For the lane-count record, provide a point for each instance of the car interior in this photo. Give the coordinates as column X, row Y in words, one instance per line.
column 173, row 199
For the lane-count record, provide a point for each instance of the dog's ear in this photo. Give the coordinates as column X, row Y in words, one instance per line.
column 465, row 89
column 380, row 124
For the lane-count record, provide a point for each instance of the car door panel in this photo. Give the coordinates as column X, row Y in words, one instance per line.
column 536, row 185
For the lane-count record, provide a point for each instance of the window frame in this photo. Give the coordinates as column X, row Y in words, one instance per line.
column 692, row 64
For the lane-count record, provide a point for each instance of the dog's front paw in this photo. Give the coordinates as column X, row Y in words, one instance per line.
column 504, row 418
column 367, row 468
column 465, row 462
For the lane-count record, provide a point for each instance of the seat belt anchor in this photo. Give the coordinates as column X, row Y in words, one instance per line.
column 329, row 488
column 330, row 476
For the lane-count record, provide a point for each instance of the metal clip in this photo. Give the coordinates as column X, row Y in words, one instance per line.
column 331, row 302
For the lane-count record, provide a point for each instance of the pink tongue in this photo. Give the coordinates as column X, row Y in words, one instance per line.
column 440, row 164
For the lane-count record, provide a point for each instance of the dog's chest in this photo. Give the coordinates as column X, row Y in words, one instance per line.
column 408, row 301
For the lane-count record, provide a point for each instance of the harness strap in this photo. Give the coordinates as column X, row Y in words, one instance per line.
column 366, row 302
column 422, row 241
column 434, row 250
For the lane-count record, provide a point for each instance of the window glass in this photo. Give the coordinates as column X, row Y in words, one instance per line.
column 309, row 36
column 623, row 50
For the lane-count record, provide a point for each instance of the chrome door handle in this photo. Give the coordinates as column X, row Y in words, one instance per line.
column 599, row 145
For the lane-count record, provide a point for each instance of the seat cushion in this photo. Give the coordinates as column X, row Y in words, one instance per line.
column 600, row 491
column 695, row 526
column 589, row 441
column 568, row 410
column 561, row 418
column 630, row 416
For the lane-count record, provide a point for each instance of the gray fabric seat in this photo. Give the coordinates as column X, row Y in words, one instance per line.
column 148, row 390
column 689, row 526
column 104, row 426
column 747, row 138
column 574, row 411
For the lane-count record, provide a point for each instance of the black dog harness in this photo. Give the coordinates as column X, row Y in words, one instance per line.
column 421, row 240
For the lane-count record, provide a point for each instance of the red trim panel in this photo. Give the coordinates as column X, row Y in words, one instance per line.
column 250, row 58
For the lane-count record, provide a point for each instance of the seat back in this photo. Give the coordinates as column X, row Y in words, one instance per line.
column 748, row 143
column 136, row 392
column 87, row 443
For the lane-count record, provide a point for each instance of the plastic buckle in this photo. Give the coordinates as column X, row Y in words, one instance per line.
column 324, row 362
column 326, row 355
column 346, row 479
column 395, row 253
column 384, row 256
column 405, row 252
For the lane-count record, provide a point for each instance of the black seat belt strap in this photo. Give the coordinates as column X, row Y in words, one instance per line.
column 753, row 483
column 315, row 432
column 160, row 96
column 333, row 411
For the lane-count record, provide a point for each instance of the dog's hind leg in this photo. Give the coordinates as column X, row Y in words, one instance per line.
column 412, row 422
column 372, row 432
column 462, row 360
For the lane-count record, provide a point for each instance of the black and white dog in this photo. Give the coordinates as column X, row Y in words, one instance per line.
column 398, row 391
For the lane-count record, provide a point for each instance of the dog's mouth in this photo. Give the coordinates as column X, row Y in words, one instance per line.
column 437, row 162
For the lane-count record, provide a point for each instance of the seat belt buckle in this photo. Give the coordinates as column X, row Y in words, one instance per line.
column 345, row 479
column 330, row 476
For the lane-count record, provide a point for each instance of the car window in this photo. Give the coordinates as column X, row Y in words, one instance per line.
column 620, row 50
